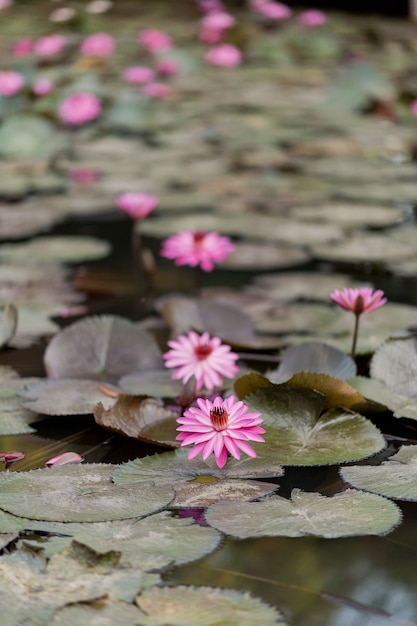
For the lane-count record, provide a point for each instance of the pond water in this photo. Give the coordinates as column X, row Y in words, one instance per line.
column 305, row 156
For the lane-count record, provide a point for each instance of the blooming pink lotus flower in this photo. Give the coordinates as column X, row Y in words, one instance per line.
column 224, row 55
column 49, row 45
column 98, row 45
column 42, row 87
column 168, row 67
column 157, row 90
column 312, row 18
column 220, row 427
column 210, row 6
column 138, row 75
column 361, row 300
column 214, row 25
column 10, row 83
column 136, row 205
column 197, row 247
column 205, row 358
column 84, row 175
column 22, row 48
column 155, row 40
column 272, row 10
column 79, row 108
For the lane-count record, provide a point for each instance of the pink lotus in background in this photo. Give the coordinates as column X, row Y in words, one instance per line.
column 205, row 358
column 155, row 40
column 168, row 67
column 68, row 458
column 22, row 48
column 214, row 25
column 98, row 45
column 156, row 90
column 84, row 175
column 312, row 18
column 220, row 427
column 42, row 87
column 358, row 301
column 272, row 10
column 5, row 4
column 210, row 6
column 414, row 107
column 10, row 83
column 49, row 45
column 79, row 108
column 136, row 205
column 197, row 248
column 224, row 55
column 138, row 74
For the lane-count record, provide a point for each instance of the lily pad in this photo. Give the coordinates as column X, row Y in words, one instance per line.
column 345, row 514
column 297, row 317
column 377, row 248
column 8, row 323
column 187, row 606
column 350, row 215
column 378, row 392
column 103, row 612
column 78, row 493
column 313, row 357
column 394, row 478
column 14, row 418
column 65, row 249
column 101, row 347
column 156, row 383
column 140, row 417
column 299, row 433
column 67, row 396
column 261, row 256
column 25, row 136
column 395, row 364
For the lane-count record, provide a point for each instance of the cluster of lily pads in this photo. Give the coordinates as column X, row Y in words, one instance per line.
column 275, row 166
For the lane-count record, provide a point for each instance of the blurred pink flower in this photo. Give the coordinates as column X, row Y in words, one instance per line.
column 79, row 108
column 220, row 427
column 156, row 90
column 198, row 355
column 98, row 45
column 22, row 48
column 224, row 55
column 136, row 205
column 67, row 458
column 8, row 458
column 272, row 10
column 49, row 45
column 42, row 87
column 168, row 67
column 213, row 26
column 197, row 247
column 155, row 40
column 210, row 6
column 4, row 4
column 361, row 300
column 84, row 175
column 312, row 17
column 10, row 83
column 138, row 74
column 414, row 107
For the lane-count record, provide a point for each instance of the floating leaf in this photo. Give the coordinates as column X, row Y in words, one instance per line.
column 102, row 347
column 335, row 391
column 201, row 494
column 187, row 606
column 313, row 357
column 14, row 418
column 296, row 317
column 25, row 136
column 156, row 383
column 70, row 249
column 8, row 323
column 261, row 256
column 394, row 478
column 140, row 417
column 378, row 392
column 78, row 493
column 67, row 396
column 350, row 215
column 106, row 611
column 345, row 514
column 377, row 248
column 395, row 364
column 298, row 433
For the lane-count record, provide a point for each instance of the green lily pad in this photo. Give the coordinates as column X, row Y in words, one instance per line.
column 394, row 478
column 395, row 364
column 298, row 433
column 27, row 137
column 103, row 612
column 156, row 383
column 78, row 493
column 378, row 392
column 313, row 357
column 345, row 514
column 377, row 248
column 261, row 256
column 101, row 347
column 187, row 606
column 65, row 249
column 297, row 317
column 14, row 418
column 350, row 215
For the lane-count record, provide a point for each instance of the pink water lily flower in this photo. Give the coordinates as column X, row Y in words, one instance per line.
column 197, row 248
column 155, row 40
column 272, row 10
column 79, row 108
column 204, row 357
column 138, row 74
column 98, row 45
column 358, row 301
column 68, row 458
column 42, row 86
column 312, row 18
column 49, row 45
column 220, row 427
column 84, row 175
column 168, row 67
column 10, row 83
column 22, row 48
column 214, row 25
column 224, row 55
column 157, row 90
column 414, row 107
column 136, row 205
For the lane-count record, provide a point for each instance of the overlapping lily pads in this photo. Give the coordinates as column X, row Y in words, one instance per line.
column 55, row 249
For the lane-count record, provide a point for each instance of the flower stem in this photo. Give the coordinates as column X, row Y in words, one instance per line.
column 142, row 278
column 355, row 336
